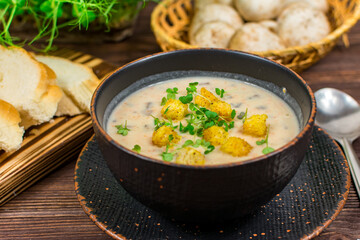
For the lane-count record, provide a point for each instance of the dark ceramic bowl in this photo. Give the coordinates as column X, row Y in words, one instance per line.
column 204, row 193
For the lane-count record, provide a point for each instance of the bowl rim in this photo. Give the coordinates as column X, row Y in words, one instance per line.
column 307, row 127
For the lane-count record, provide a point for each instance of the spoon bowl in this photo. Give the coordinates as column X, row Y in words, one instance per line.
column 339, row 115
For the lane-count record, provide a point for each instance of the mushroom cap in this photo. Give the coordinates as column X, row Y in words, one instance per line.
column 199, row 4
column 258, row 10
column 214, row 12
column 254, row 37
column 300, row 24
column 321, row 5
column 215, row 34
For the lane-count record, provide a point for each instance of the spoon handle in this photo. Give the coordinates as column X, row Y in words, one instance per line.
column 353, row 162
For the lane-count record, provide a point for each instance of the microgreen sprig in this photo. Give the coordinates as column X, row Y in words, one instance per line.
column 220, row 92
column 267, row 149
column 199, row 142
column 137, row 148
column 168, row 156
column 191, row 91
column 171, row 94
column 123, row 130
column 159, row 123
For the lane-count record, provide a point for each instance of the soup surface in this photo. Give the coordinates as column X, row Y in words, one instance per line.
column 133, row 121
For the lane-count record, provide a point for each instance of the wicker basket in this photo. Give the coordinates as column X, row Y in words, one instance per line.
column 171, row 18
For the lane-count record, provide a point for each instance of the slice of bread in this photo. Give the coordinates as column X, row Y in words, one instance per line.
column 26, row 84
column 76, row 80
column 11, row 134
column 66, row 106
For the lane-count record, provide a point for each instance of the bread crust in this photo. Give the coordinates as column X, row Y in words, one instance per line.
column 10, row 132
column 9, row 113
column 79, row 92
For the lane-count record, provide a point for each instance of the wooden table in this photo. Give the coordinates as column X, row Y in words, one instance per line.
column 50, row 209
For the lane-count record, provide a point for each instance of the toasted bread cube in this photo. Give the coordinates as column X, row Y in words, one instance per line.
column 174, row 109
column 222, row 108
column 255, row 125
column 205, row 99
column 209, row 101
column 235, row 146
column 190, row 156
column 160, row 137
column 215, row 135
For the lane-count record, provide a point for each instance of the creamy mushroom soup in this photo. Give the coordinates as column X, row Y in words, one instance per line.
column 202, row 120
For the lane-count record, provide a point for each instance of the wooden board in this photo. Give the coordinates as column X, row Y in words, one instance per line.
column 49, row 145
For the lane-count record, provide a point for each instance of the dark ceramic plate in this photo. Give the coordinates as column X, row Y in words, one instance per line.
column 307, row 205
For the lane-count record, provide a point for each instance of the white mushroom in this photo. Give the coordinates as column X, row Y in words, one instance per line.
column 199, row 4
column 215, row 34
column 215, row 12
column 257, row 10
column 270, row 24
column 321, row 5
column 300, row 24
column 254, row 37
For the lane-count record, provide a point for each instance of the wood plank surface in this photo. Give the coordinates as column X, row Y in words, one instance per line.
column 50, row 210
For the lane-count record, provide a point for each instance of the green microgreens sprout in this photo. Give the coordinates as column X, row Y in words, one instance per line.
column 192, row 87
column 159, row 123
column 191, row 91
column 171, row 93
column 163, row 101
column 123, row 130
column 233, row 114
column 186, row 99
column 220, row 92
column 243, row 115
column 267, row 149
column 137, row 148
column 168, row 156
column 199, row 142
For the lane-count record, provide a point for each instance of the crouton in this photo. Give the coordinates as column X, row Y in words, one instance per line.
column 174, row 109
column 235, row 146
column 205, row 99
column 255, row 125
column 160, row 137
column 222, row 108
column 190, row 156
column 209, row 101
column 215, row 135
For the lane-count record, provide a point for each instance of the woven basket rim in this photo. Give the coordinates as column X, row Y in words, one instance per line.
column 333, row 36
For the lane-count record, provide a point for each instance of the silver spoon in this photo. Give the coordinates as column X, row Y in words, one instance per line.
column 339, row 115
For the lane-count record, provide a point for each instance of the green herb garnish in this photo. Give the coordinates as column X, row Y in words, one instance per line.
column 220, row 92
column 192, row 87
column 137, row 148
column 267, row 149
column 159, row 123
column 171, row 93
column 233, row 114
column 199, row 142
column 186, row 99
column 168, row 156
column 163, row 101
column 123, row 130
column 190, row 91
